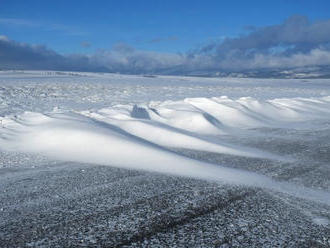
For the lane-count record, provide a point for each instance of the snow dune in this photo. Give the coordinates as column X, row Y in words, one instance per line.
column 137, row 136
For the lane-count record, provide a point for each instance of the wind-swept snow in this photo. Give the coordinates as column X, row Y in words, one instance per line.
column 78, row 152
column 137, row 137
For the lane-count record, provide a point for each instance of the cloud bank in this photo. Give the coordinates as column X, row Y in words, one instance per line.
column 297, row 42
column 15, row 55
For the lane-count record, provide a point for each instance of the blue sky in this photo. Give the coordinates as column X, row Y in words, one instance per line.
column 140, row 36
column 155, row 25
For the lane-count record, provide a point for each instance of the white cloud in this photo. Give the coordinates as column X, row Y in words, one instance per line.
column 4, row 38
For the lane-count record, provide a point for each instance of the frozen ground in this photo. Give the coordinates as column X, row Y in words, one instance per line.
column 110, row 160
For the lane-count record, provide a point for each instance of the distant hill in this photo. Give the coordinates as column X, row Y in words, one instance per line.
column 298, row 72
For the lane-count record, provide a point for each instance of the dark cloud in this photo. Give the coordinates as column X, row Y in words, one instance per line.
column 296, row 31
column 296, row 42
column 15, row 55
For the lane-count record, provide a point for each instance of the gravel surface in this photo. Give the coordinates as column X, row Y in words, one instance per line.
column 79, row 205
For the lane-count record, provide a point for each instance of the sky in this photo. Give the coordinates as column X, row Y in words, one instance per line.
column 169, row 36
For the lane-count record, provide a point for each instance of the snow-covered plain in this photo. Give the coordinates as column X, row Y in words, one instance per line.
column 266, row 133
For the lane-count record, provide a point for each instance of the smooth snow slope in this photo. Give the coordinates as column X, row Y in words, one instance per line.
column 138, row 135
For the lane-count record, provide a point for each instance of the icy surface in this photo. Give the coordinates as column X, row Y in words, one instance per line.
column 259, row 140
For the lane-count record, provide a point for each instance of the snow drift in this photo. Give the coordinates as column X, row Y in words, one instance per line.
column 138, row 136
